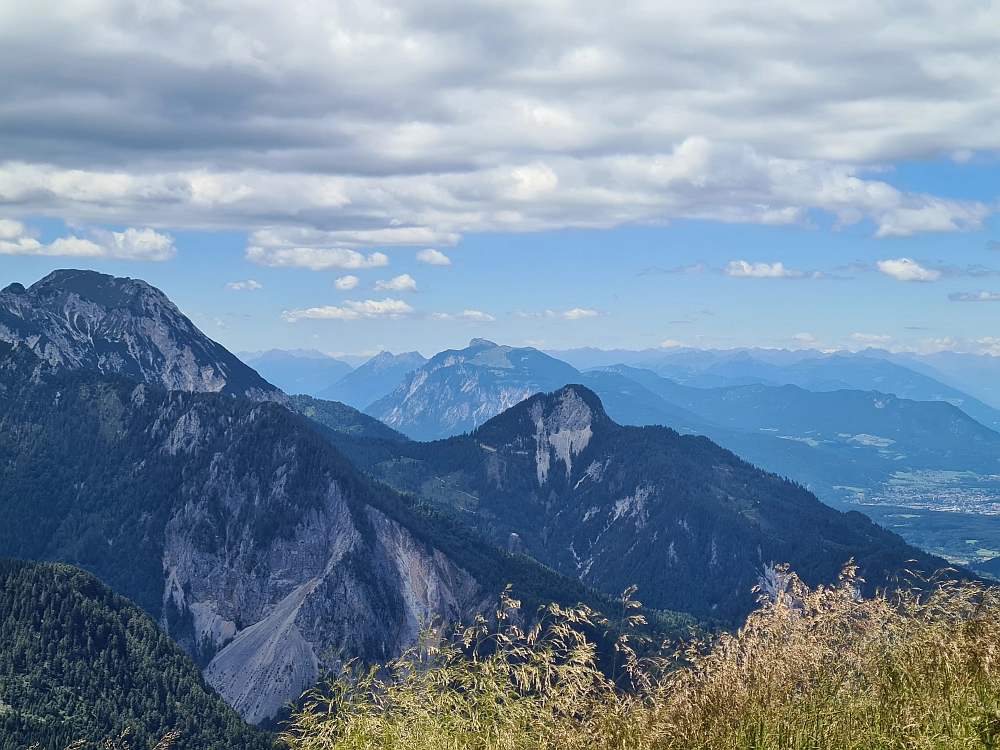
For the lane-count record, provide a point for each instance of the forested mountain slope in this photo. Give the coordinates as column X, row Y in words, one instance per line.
column 80, row 662
column 248, row 535
column 689, row 522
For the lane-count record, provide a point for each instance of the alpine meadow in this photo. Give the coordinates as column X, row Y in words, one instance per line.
column 409, row 375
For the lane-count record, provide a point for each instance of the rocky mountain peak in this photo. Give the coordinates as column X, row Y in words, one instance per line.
column 478, row 342
column 77, row 319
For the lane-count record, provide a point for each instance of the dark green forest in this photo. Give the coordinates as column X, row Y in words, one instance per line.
column 80, row 662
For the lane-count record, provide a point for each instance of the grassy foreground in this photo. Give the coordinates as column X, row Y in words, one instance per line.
column 811, row 669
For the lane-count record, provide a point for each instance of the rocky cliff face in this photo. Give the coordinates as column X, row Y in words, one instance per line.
column 338, row 576
column 121, row 326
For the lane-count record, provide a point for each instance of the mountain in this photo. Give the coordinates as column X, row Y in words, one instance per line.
column 373, row 380
column 916, row 434
column 339, row 417
column 121, row 326
column 249, row 536
column 78, row 662
column 688, row 521
column 299, row 371
column 458, row 390
column 816, row 371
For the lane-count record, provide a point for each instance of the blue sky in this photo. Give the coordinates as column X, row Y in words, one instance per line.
column 631, row 179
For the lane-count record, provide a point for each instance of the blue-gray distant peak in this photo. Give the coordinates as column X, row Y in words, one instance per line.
column 87, row 320
column 374, row 379
column 460, row 389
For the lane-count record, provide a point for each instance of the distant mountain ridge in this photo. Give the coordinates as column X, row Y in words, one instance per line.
column 121, row 326
column 371, row 381
column 297, row 371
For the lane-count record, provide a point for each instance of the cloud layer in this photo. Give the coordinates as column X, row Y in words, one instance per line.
column 132, row 244
column 328, row 125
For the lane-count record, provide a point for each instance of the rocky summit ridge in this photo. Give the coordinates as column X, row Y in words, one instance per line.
column 121, row 326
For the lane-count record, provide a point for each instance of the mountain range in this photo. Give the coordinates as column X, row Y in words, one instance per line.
column 374, row 379
column 301, row 371
column 264, row 531
column 689, row 522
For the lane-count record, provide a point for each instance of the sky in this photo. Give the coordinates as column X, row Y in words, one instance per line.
column 358, row 176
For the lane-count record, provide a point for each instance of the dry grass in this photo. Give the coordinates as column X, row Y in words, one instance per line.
column 811, row 669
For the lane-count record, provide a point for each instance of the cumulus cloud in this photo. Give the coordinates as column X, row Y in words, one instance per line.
column 220, row 323
column 132, row 244
column 316, row 259
column 907, row 269
column 422, row 122
column 433, row 257
column 387, row 309
column 578, row 313
column 981, row 296
column 402, row 283
column 469, row 316
column 742, row 269
column 347, row 283
column 243, row 286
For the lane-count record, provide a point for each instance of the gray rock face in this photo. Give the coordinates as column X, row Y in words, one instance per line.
column 121, row 326
column 270, row 606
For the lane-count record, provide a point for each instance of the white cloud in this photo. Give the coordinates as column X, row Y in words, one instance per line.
column 742, row 269
column 433, row 257
column 219, row 322
column 316, row 259
column 804, row 338
column 390, row 309
column 982, row 296
column 670, row 344
column 402, row 283
column 656, row 111
column 987, row 345
column 575, row 314
column 132, row 244
column 243, row 286
column 907, row 269
column 470, row 316
column 872, row 339
column 347, row 283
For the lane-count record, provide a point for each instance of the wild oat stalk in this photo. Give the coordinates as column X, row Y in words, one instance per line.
column 811, row 669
